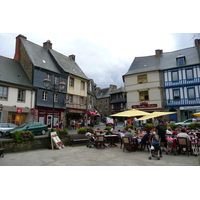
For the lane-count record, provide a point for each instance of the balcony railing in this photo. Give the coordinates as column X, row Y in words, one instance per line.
column 181, row 102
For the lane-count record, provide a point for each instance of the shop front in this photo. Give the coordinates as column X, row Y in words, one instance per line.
column 45, row 115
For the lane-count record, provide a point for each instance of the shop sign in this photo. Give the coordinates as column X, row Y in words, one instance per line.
column 19, row 110
column 75, row 111
column 144, row 105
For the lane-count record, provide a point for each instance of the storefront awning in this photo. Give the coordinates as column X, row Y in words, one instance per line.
column 93, row 113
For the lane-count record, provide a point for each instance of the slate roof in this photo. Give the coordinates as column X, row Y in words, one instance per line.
column 121, row 89
column 44, row 58
column 39, row 56
column 103, row 93
column 11, row 71
column 165, row 61
column 68, row 65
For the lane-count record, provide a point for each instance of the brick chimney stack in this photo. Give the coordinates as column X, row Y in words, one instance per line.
column 47, row 44
column 17, row 47
column 73, row 57
column 158, row 52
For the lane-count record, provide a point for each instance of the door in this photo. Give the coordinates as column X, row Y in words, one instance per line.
column 49, row 121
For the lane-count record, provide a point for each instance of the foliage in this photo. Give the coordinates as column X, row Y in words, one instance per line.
column 173, row 126
column 84, row 130
column 129, row 126
column 194, row 126
column 61, row 132
column 20, row 136
column 149, row 126
column 107, row 128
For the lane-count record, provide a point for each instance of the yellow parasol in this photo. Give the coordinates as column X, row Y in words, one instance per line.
column 155, row 114
column 130, row 113
column 197, row 114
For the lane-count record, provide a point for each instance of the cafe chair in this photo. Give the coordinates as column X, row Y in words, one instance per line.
column 99, row 143
column 183, row 143
column 127, row 144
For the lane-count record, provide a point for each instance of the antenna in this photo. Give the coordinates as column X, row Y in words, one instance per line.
column 193, row 37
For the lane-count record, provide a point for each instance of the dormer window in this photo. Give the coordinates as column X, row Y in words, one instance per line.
column 180, row 60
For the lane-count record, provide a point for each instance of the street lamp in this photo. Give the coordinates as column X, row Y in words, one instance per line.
column 55, row 88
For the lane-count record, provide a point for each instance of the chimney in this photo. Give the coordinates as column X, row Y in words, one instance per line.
column 113, row 87
column 17, row 47
column 73, row 57
column 197, row 43
column 158, row 52
column 47, row 44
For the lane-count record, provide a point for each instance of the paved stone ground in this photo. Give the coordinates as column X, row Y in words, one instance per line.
column 80, row 155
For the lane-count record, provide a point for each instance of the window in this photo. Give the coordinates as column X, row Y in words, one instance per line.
column 70, row 98
column 142, row 78
column 82, row 85
column 174, row 75
column 3, row 93
column 144, row 96
column 189, row 74
column 71, row 82
column 21, row 95
column 55, row 97
column 180, row 61
column 176, row 94
column 56, row 80
column 49, row 76
column 82, row 100
column 44, row 95
column 191, row 93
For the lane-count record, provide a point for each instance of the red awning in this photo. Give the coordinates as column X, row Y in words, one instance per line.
column 93, row 113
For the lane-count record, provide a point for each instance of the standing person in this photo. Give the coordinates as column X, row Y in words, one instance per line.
column 116, row 121
column 135, row 121
column 194, row 120
column 161, row 129
column 57, row 125
column 61, row 125
column 73, row 124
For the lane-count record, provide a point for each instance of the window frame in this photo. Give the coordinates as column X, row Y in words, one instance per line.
column 192, row 74
column 44, row 95
column 180, row 61
column 173, row 76
column 141, row 78
column 188, row 93
column 176, row 90
column 71, row 82
column 140, row 95
column 21, row 96
column 4, row 93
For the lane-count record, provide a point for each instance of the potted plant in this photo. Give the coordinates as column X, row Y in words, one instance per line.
column 84, row 130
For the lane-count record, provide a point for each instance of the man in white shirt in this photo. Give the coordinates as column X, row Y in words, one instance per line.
column 184, row 134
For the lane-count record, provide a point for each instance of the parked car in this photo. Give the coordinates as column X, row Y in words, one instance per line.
column 109, row 122
column 35, row 127
column 184, row 123
column 5, row 127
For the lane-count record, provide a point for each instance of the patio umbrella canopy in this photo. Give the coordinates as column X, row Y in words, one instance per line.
column 155, row 114
column 197, row 114
column 130, row 113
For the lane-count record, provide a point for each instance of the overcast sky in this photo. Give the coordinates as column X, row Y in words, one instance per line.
column 105, row 36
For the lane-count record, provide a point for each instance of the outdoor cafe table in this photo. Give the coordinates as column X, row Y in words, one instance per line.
column 112, row 139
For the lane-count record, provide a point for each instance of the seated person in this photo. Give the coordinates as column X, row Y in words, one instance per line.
column 120, row 134
column 184, row 134
column 128, row 134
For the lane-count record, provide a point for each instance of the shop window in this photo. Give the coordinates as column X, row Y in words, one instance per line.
column 3, row 93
